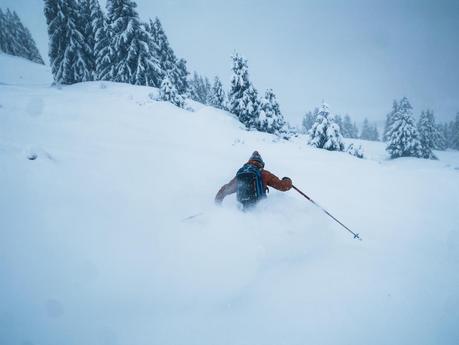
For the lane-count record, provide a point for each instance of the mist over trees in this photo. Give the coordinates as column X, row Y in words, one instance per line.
column 16, row 39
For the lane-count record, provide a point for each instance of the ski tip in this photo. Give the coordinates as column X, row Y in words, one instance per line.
column 356, row 236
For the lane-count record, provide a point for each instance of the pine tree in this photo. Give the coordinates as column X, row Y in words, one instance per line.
column 403, row 136
column 339, row 121
column 454, row 133
column 309, row 119
column 67, row 47
column 182, row 79
column 200, row 89
column 103, row 50
column 88, row 31
column 12, row 45
column 428, row 134
column 366, row 130
column 15, row 38
column 168, row 93
column 217, row 96
column 349, row 129
column 270, row 118
column 355, row 131
column 390, row 120
column 168, row 63
column 3, row 33
column 130, row 55
column 243, row 98
column 440, row 142
column 325, row 132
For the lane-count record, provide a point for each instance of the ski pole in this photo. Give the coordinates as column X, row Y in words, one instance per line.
column 328, row 213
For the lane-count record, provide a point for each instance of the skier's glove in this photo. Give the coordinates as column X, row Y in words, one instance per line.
column 289, row 180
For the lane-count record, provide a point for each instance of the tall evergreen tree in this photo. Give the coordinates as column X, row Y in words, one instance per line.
column 440, row 142
column 199, row 89
column 3, row 33
column 366, row 130
column 369, row 131
column 68, row 51
column 427, row 133
column 130, row 56
column 309, row 119
column 403, row 136
column 454, row 133
column 182, row 77
column 339, row 121
column 325, row 133
column 355, row 131
column 243, row 98
column 390, row 120
column 16, row 39
column 12, row 44
column 270, row 118
column 217, row 96
column 374, row 133
column 168, row 63
column 103, row 50
column 89, row 33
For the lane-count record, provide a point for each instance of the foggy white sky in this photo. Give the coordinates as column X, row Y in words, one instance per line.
column 357, row 55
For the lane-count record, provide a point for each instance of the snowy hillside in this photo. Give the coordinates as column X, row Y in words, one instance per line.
column 95, row 247
column 18, row 71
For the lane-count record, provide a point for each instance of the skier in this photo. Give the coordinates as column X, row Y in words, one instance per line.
column 251, row 183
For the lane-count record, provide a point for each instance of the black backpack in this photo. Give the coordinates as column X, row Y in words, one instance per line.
column 250, row 186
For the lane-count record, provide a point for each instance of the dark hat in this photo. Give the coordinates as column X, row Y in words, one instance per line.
column 257, row 158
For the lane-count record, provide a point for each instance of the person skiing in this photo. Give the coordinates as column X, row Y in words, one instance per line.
column 251, row 183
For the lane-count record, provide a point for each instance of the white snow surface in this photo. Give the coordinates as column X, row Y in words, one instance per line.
column 94, row 248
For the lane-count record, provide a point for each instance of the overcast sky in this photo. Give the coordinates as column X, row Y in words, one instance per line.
column 356, row 55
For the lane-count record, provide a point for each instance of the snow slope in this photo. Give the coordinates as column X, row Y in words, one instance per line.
column 95, row 248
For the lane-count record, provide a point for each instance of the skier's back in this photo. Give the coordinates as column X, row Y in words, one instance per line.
column 251, row 183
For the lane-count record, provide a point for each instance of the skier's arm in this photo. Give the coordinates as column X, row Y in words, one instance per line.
column 273, row 181
column 227, row 189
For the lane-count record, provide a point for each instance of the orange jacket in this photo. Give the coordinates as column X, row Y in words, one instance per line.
column 269, row 179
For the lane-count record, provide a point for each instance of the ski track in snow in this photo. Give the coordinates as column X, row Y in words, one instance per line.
column 94, row 248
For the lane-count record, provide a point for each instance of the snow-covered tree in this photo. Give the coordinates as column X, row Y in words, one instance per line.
column 366, row 130
column 200, row 89
column 349, row 129
column 390, row 120
column 89, row 31
column 68, row 51
column 454, row 133
column 339, row 121
column 15, row 38
column 309, row 119
column 403, row 136
column 130, row 56
column 217, row 95
column 168, row 62
column 168, row 93
column 325, row 133
column 182, row 77
column 369, row 132
column 243, row 97
column 428, row 133
column 440, row 142
column 270, row 118
column 356, row 151
column 103, row 50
